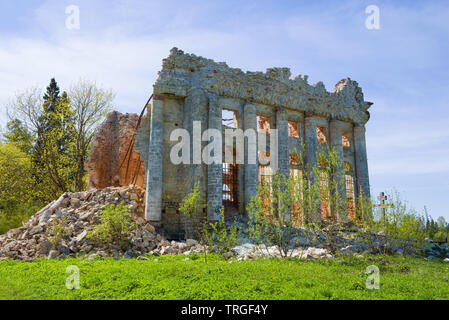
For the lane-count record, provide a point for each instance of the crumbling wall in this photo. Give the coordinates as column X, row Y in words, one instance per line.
column 113, row 160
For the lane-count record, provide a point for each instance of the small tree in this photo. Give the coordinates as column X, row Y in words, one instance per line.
column 221, row 237
column 115, row 226
column 401, row 227
column 18, row 134
column 191, row 207
column 270, row 222
column 58, row 232
column 313, row 199
column 90, row 105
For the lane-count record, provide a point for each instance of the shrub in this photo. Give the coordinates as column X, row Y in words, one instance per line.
column 191, row 207
column 17, row 187
column 58, row 231
column 221, row 237
column 270, row 223
column 285, row 202
column 13, row 213
column 115, row 224
column 401, row 227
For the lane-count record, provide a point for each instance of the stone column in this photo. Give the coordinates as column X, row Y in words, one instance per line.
column 196, row 114
column 251, row 153
column 336, row 142
column 283, row 149
column 214, row 170
column 153, row 202
column 361, row 161
column 283, row 142
column 311, row 141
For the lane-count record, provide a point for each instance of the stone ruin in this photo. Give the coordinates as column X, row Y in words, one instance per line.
column 191, row 88
column 130, row 160
column 113, row 162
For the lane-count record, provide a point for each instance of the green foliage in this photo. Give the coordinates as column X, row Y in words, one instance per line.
column 436, row 230
column 13, row 213
column 18, row 134
column 170, row 277
column 210, row 234
column 115, row 224
column 222, row 238
column 303, row 196
column 191, row 207
column 196, row 224
column 193, row 202
column 16, row 183
column 17, row 188
column 45, row 146
column 270, row 223
column 56, row 130
column 58, row 232
column 400, row 227
column 53, row 158
column 285, row 202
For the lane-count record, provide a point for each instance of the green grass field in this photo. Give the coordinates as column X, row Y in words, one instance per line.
column 173, row 278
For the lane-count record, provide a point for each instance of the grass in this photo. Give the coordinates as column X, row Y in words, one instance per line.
column 170, row 277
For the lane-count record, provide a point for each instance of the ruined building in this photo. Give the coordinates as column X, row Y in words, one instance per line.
column 193, row 89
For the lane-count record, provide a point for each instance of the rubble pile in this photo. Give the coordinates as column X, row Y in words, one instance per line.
column 75, row 214
column 61, row 230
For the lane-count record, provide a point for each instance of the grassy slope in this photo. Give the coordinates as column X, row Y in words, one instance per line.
column 173, row 278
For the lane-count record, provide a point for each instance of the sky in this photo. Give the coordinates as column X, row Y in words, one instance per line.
column 402, row 67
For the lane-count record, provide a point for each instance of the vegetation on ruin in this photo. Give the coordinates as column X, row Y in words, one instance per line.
column 283, row 204
column 114, row 227
column 171, row 277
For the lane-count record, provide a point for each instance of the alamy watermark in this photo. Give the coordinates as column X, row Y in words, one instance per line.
column 373, row 280
column 189, row 149
column 73, row 281
column 72, row 21
column 372, row 22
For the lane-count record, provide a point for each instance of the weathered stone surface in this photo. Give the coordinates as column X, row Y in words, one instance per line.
column 274, row 87
column 112, row 161
column 193, row 92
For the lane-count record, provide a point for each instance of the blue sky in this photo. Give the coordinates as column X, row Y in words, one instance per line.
column 402, row 67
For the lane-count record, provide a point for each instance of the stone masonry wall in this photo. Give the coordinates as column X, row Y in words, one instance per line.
column 113, row 162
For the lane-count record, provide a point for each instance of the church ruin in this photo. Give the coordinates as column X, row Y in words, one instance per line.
column 193, row 91
column 191, row 88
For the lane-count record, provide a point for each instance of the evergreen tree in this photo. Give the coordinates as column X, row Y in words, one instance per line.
column 51, row 97
column 53, row 154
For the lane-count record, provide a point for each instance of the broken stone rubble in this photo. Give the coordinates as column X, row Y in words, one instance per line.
column 80, row 212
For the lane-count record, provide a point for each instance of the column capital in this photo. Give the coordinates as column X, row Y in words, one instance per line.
column 337, row 121
column 249, row 105
column 281, row 109
column 213, row 100
column 281, row 114
column 309, row 114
